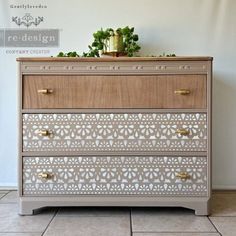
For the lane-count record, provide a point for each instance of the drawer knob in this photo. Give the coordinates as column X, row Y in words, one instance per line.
column 183, row 175
column 44, row 132
column 182, row 91
column 45, row 175
column 184, row 132
column 45, row 91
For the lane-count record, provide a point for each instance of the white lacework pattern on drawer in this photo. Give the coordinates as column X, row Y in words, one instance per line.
column 115, row 132
column 115, row 175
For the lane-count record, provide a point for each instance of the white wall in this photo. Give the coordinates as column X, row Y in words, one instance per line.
column 185, row 27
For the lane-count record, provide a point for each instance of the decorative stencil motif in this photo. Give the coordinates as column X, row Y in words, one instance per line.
column 149, row 67
column 109, row 175
column 115, row 132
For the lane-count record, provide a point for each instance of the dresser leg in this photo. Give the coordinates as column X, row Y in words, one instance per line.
column 26, row 212
column 202, row 209
column 25, row 209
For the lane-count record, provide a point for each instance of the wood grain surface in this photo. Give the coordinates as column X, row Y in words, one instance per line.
column 106, row 91
column 112, row 59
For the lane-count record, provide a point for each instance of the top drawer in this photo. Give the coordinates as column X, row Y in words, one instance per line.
column 114, row 91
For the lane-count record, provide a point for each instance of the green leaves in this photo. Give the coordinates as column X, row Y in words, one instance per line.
column 167, row 55
column 100, row 42
column 68, row 54
column 127, row 30
column 135, row 37
column 130, row 39
column 60, row 54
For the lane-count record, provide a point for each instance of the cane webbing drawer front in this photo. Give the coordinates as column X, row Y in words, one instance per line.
column 109, row 175
column 114, row 91
column 115, row 132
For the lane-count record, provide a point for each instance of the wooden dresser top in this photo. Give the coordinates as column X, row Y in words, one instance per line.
column 110, row 59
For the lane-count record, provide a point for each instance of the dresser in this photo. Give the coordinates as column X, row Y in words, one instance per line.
column 115, row 132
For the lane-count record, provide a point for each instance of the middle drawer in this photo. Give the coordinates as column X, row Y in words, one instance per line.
column 114, row 132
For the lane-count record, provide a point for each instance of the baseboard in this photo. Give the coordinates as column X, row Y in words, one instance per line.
column 8, row 186
column 224, row 187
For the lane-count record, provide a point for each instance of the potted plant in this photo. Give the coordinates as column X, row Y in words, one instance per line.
column 121, row 41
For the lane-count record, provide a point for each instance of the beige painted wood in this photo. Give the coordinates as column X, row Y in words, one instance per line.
column 155, row 91
column 115, row 175
column 142, row 132
column 201, row 205
column 178, row 66
column 115, row 67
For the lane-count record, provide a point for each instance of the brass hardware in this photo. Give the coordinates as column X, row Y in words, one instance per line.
column 45, row 91
column 44, row 132
column 115, row 43
column 183, row 175
column 182, row 91
column 45, row 175
column 184, row 132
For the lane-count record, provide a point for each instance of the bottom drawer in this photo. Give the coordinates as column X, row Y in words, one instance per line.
column 115, row 175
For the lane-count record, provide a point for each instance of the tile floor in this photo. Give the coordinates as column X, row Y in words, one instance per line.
column 119, row 221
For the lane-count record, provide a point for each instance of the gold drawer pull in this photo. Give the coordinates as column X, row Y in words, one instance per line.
column 44, row 132
column 182, row 91
column 184, row 132
column 45, row 175
column 183, row 175
column 45, row 91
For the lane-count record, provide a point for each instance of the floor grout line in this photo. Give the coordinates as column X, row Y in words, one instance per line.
column 178, row 232
column 222, row 216
column 4, row 195
column 175, row 232
column 50, row 222
column 214, row 226
column 131, row 225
